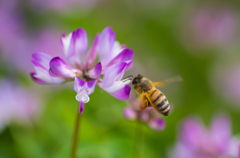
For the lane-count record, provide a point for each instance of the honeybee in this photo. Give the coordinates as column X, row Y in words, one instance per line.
column 150, row 95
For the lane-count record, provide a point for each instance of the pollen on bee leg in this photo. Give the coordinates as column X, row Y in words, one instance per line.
column 143, row 105
column 82, row 97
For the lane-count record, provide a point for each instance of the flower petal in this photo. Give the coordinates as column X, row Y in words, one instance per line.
column 78, row 83
column 36, row 79
column 106, row 42
column 119, row 90
column 91, row 86
column 125, row 55
column 113, row 74
column 41, row 60
column 239, row 151
column 42, row 76
column 81, row 107
column 82, row 97
column 74, row 43
column 95, row 72
column 117, row 49
column 67, row 44
column 221, row 132
column 144, row 115
column 130, row 113
column 157, row 124
column 80, row 41
column 191, row 128
column 59, row 68
column 92, row 53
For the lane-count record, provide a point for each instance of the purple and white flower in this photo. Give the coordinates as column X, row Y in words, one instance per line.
column 148, row 116
column 114, row 61
column 196, row 141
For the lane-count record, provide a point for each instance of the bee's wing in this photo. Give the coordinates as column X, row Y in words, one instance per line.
column 170, row 80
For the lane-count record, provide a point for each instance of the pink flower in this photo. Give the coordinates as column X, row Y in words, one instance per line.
column 148, row 116
column 213, row 26
column 114, row 61
column 196, row 141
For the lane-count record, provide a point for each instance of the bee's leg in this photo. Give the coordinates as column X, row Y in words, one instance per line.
column 149, row 101
column 144, row 104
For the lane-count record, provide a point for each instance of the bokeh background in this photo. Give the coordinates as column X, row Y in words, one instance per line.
column 198, row 40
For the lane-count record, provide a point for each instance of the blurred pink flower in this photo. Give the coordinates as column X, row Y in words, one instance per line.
column 149, row 115
column 226, row 82
column 196, row 141
column 214, row 26
column 210, row 26
column 231, row 84
column 16, row 104
column 64, row 5
column 16, row 44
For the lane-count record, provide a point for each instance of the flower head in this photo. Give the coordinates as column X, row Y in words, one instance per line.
column 149, row 115
column 80, row 66
column 195, row 141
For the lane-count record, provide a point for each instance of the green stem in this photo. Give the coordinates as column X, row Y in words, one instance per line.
column 75, row 136
column 138, row 138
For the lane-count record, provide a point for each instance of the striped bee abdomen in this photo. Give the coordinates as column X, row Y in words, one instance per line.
column 160, row 102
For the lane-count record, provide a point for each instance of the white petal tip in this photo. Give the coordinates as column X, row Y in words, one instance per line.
column 82, row 97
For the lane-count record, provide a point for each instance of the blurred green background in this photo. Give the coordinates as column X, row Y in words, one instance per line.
column 167, row 40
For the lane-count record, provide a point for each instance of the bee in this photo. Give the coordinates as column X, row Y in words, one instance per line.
column 150, row 95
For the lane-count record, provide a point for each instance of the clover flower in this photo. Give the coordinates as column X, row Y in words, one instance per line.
column 148, row 116
column 114, row 61
column 16, row 104
column 196, row 141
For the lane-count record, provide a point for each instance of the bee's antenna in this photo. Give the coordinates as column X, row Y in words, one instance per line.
column 127, row 78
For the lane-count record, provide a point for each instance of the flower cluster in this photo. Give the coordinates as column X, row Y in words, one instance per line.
column 149, row 115
column 195, row 141
column 80, row 67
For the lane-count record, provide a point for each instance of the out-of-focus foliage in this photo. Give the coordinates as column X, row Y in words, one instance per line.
column 168, row 39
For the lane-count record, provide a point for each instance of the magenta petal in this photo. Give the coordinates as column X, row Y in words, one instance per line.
column 92, row 53
column 42, row 76
column 125, row 55
column 81, row 107
column 106, row 42
column 88, row 86
column 130, row 64
column 144, row 115
column 239, row 151
column 114, row 73
column 130, row 114
column 36, row 79
column 78, row 82
column 95, row 72
column 59, row 68
column 67, row 44
column 157, row 124
column 221, row 132
column 91, row 86
column 41, row 60
column 80, row 41
column 191, row 128
column 122, row 93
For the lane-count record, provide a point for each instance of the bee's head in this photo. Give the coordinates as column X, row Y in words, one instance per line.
column 136, row 79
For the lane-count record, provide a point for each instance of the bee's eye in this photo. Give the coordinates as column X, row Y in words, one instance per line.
column 135, row 81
